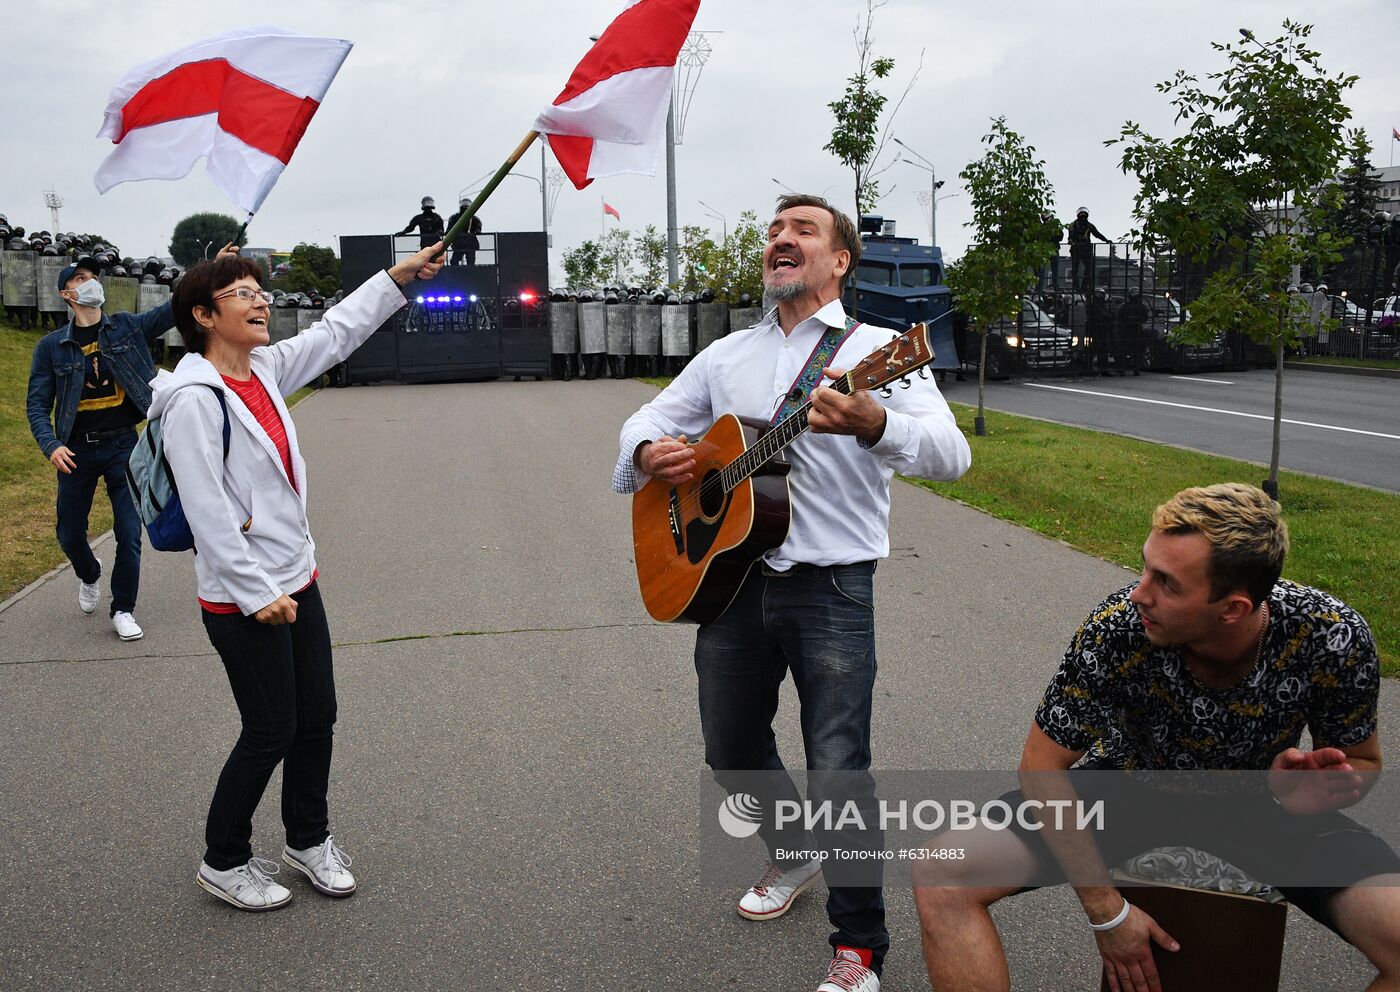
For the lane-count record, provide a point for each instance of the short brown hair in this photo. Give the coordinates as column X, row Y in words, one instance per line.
column 845, row 233
column 197, row 287
column 1247, row 536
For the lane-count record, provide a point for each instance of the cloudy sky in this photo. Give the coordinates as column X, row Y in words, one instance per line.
column 436, row 93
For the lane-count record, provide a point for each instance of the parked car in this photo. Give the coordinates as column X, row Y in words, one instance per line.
column 1033, row 341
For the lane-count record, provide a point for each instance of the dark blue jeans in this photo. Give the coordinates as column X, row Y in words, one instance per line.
column 105, row 461
column 818, row 624
column 284, row 684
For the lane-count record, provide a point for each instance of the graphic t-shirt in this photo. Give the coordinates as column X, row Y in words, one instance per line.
column 1132, row 705
column 103, row 405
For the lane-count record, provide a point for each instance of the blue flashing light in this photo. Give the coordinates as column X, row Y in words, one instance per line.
column 472, row 297
column 456, row 299
column 420, row 299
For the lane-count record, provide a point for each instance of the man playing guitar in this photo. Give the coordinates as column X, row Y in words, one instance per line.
column 808, row 606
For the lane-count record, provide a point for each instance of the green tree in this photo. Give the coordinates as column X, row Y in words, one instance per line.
column 1359, row 192
column 1261, row 134
column 582, row 266
column 615, row 256
column 313, row 269
column 200, row 236
column 858, row 138
column 731, row 267
column 1011, row 199
column 651, row 256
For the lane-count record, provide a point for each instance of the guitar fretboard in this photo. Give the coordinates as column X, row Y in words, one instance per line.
column 784, row 433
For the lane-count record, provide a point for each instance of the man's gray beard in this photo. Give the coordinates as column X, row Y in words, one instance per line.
column 784, row 292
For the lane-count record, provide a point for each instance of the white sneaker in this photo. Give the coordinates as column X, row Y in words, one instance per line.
column 89, row 593
column 848, row 973
column 326, row 865
column 772, row 895
column 126, row 627
column 248, row 887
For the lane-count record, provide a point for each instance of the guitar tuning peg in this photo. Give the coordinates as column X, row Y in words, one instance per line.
column 905, row 383
column 921, row 373
column 886, row 392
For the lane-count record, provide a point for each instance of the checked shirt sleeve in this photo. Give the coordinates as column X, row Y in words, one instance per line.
column 683, row 407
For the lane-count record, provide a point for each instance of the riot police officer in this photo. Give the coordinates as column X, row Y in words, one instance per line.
column 428, row 222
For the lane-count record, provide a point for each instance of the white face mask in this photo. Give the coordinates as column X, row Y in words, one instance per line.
column 90, row 294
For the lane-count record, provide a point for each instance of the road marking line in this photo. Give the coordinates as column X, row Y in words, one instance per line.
column 1196, row 378
column 1210, row 409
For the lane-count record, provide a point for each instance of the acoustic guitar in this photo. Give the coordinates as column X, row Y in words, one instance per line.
column 694, row 543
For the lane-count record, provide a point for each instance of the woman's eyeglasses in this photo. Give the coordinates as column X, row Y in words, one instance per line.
column 248, row 295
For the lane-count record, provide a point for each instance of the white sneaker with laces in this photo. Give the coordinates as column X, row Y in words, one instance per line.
column 772, row 895
column 249, row 887
column 326, row 865
column 89, row 593
column 848, row 973
column 126, row 627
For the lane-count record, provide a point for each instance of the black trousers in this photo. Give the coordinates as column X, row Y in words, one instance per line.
column 283, row 682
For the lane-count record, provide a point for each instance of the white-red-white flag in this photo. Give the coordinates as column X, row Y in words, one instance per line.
column 608, row 208
column 611, row 117
column 241, row 99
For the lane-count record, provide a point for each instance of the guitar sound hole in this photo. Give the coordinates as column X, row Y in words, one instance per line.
column 711, row 494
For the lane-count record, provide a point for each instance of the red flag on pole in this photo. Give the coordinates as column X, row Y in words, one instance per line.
column 1395, row 134
column 611, row 116
column 608, row 208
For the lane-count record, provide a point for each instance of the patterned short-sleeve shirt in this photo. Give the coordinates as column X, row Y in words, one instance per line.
column 1132, row 705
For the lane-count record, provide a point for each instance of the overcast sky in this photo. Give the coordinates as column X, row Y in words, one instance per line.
column 436, row 93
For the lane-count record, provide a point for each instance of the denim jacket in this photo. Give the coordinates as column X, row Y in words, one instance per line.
column 56, row 375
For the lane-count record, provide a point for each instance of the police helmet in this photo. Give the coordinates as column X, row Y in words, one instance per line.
column 1305, row 288
column 427, row 202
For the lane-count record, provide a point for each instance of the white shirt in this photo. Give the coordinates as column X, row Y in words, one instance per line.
column 840, row 489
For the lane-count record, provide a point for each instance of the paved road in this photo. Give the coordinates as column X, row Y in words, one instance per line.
column 518, row 749
column 1339, row 426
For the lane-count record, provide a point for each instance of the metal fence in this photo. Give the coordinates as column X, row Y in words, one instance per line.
column 1114, row 309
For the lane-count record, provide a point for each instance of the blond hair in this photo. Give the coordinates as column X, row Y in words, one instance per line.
column 1247, row 536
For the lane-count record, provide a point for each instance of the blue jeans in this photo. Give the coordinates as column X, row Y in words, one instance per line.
column 818, row 624
column 104, row 461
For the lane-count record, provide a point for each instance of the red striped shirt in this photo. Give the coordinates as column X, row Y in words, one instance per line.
column 255, row 397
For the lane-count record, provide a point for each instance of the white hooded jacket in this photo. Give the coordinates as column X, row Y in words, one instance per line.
column 248, row 520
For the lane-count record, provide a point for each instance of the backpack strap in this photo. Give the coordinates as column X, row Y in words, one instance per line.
column 223, row 405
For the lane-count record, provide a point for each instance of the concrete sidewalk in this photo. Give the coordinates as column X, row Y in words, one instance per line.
column 518, row 746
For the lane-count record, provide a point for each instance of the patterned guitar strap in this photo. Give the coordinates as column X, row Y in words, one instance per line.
column 807, row 380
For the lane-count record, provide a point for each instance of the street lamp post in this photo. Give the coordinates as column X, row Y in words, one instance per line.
column 723, row 221
column 933, row 189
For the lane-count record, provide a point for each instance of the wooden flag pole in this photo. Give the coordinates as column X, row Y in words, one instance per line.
column 489, row 188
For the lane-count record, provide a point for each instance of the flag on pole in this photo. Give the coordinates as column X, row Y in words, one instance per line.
column 1395, row 134
column 241, row 99
column 608, row 208
column 611, row 116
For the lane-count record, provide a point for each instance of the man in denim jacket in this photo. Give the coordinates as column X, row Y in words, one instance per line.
column 89, row 386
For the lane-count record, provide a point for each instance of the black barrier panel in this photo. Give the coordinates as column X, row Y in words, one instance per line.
column 361, row 256
column 523, row 264
column 470, row 322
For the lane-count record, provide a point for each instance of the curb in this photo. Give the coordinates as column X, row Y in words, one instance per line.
column 1365, row 370
column 52, row 573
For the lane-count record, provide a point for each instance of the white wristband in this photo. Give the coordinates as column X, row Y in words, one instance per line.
column 1116, row 921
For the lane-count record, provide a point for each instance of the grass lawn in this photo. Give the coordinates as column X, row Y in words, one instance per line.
column 1365, row 363
column 28, row 547
column 1096, row 492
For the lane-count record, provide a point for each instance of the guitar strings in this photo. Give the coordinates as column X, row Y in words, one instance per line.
column 759, row 453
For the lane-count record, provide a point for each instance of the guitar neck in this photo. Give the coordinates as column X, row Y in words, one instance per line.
column 787, row 430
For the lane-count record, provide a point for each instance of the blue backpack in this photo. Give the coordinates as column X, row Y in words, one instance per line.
column 153, row 489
